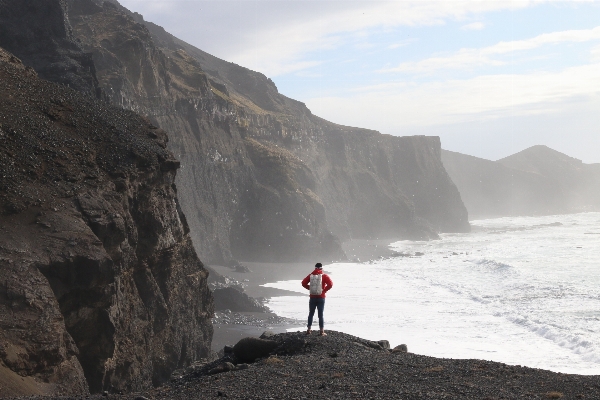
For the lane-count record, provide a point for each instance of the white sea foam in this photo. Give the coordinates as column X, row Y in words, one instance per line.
column 517, row 290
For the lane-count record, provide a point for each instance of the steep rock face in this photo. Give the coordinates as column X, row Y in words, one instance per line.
column 378, row 186
column 38, row 32
column 491, row 189
column 367, row 184
column 355, row 170
column 218, row 181
column 101, row 287
column 285, row 188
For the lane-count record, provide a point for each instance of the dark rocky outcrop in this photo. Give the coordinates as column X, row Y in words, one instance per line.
column 536, row 181
column 39, row 33
column 342, row 366
column 250, row 348
column 228, row 124
column 100, row 286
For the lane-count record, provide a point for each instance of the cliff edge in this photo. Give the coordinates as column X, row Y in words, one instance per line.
column 101, row 288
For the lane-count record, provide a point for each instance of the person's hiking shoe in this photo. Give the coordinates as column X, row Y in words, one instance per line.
column 308, row 331
column 322, row 333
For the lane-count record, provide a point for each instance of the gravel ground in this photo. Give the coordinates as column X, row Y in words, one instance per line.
column 341, row 366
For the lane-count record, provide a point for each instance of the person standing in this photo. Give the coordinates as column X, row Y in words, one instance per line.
column 318, row 283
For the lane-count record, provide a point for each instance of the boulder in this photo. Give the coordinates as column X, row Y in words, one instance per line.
column 401, row 348
column 249, row 349
column 384, row 343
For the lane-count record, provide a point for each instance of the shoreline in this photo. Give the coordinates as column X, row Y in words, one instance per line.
column 244, row 324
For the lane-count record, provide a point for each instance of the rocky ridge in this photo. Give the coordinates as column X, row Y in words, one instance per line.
column 341, row 366
column 100, row 286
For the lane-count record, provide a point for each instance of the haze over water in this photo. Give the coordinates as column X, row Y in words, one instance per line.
column 522, row 290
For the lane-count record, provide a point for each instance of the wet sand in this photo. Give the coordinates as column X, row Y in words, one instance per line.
column 254, row 324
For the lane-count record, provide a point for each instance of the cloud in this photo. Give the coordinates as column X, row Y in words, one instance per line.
column 400, row 105
column 402, row 43
column 330, row 28
column 595, row 53
column 274, row 36
column 470, row 58
column 474, row 26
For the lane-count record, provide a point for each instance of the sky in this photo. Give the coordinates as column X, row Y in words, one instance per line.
column 491, row 78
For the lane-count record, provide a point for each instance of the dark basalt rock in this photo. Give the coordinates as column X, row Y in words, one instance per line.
column 401, row 348
column 249, row 349
column 39, row 33
column 384, row 344
column 101, row 286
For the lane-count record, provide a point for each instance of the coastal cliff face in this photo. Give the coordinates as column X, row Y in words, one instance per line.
column 352, row 183
column 535, row 181
column 101, row 288
column 232, row 210
column 371, row 185
column 355, row 183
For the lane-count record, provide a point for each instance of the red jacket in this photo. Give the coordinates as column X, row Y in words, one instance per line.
column 325, row 281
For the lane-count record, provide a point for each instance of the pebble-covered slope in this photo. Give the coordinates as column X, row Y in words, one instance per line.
column 340, row 366
column 100, row 286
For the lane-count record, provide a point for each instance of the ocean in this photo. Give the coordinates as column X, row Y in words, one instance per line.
column 520, row 290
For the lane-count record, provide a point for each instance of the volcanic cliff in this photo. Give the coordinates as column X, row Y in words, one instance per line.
column 100, row 286
column 262, row 178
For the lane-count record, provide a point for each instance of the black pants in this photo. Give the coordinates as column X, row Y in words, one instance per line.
column 319, row 304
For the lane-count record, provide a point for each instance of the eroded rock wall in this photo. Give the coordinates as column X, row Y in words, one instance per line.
column 224, row 196
column 214, row 109
column 100, row 286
